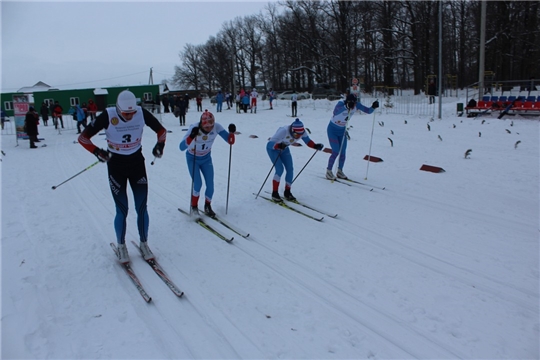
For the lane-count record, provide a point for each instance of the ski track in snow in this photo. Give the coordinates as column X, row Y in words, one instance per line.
column 379, row 281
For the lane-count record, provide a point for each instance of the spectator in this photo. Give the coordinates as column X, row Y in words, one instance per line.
column 44, row 110
column 171, row 102
column 227, row 98
column 254, row 95
column 81, row 118
column 3, row 118
column 51, row 112
column 92, row 109
column 186, row 99
column 181, row 109
column 432, row 91
column 229, row 101
column 157, row 102
column 245, row 102
column 57, row 115
column 294, row 106
column 31, row 121
column 238, row 100
column 271, row 96
column 198, row 100
column 73, row 112
column 165, row 101
column 219, row 101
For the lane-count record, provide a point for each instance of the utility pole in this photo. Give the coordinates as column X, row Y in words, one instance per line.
column 439, row 80
column 151, row 78
column 482, row 50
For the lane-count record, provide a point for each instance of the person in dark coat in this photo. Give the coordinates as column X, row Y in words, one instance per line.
column 181, row 109
column 31, row 126
column 165, row 101
column 432, row 91
column 44, row 113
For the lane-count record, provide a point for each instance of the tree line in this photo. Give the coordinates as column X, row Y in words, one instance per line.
column 393, row 44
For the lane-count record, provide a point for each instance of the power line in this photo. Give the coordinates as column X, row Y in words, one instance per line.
column 112, row 78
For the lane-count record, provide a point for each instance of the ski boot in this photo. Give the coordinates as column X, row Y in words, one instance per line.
column 287, row 195
column 330, row 175
column 208, row 210
column 276, row 197
column 123, row 255
column 340, row 174
column 145, row 251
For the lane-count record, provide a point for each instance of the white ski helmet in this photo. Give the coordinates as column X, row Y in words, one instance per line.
column 126, row 102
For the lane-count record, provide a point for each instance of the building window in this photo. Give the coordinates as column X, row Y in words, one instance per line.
column 147, row 96
column 8, row 105
column 73, row 101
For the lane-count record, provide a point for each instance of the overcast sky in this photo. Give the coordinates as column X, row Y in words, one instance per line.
column 92, row 44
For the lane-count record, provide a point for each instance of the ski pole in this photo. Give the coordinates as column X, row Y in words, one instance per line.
column 272, row 168
column 153, row 161
column 77, row 174
column 228, row 180
column 192, row 176
column 316, row 151
column 370, row 142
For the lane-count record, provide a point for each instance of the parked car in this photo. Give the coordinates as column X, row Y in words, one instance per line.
column 286, row 95
column 325, row 93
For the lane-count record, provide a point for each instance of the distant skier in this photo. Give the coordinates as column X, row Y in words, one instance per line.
column 343, row 111
column 254, row 95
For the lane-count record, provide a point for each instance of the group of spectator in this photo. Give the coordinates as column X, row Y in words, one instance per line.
column 80, row 113
column 169, row 101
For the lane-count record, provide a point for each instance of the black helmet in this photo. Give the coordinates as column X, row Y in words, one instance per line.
column 350, row 101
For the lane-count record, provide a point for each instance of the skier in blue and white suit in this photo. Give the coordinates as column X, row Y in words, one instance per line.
column 278, row 151
column 198, row 143
column 343, row 111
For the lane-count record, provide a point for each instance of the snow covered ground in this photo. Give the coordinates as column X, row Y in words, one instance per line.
column 436, row 266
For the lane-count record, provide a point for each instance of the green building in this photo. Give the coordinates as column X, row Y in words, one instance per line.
column 103, row 97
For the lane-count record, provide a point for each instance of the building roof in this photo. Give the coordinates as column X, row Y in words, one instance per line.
column 99, row 91
column 39, row 86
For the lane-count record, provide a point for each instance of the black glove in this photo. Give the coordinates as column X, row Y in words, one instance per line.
column 194, row 132
column 319, row 146
column 232, row 128
column 375, row 104
column 158, row 149
column 102, row 155
column 280, row 146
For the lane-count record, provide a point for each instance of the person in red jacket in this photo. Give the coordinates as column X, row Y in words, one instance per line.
column 92, row 109
column 198, row 99
column 57, row 115
column 123, row 127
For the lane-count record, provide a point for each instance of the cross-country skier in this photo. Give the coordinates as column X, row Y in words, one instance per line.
column 124, row 126
column 343, row 111
column 198, row 143
column 280, row 155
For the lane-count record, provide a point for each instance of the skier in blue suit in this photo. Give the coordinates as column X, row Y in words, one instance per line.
column 278, row 151
column 343, row 111
column 198, row 143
